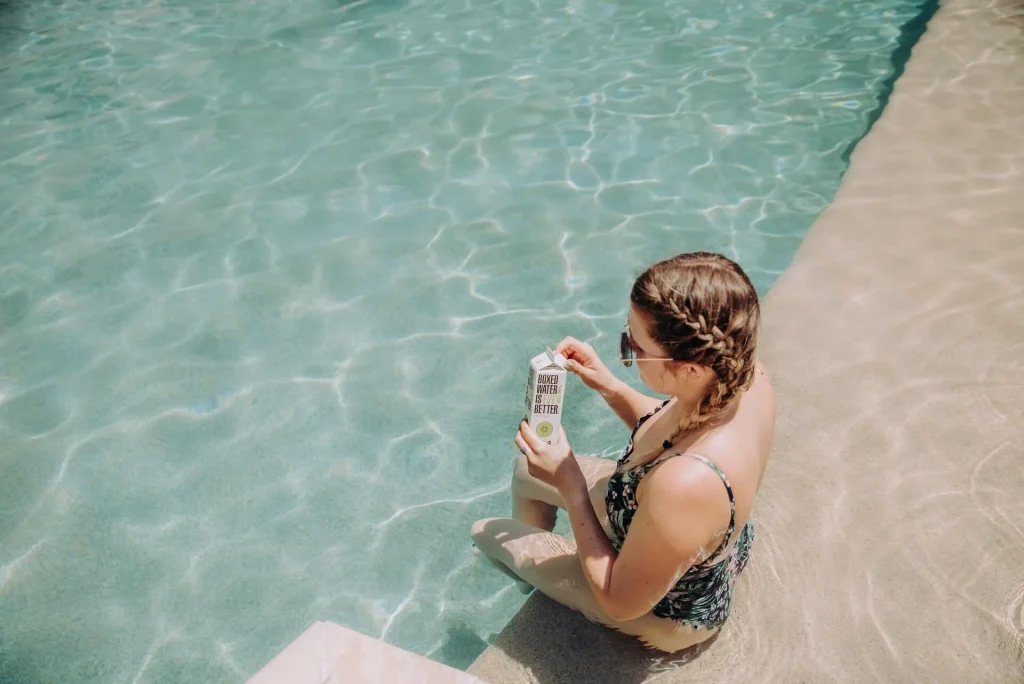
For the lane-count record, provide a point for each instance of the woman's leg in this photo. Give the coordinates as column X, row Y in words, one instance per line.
column 526, row 548
column 550, row 563
column 536, row 503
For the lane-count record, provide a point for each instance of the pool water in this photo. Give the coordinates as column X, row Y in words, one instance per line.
column 271, row 273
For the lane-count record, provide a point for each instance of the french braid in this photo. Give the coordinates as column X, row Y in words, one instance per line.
column 703, row 309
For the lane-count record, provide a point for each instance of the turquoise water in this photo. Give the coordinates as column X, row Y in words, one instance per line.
column 271, row 273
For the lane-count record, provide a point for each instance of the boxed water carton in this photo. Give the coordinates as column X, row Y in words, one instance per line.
column 545, row 391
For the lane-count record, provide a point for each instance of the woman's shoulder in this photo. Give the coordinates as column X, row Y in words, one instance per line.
column 763, row 378
column 686, row 486
column 733, row 451
column 757, row 404
column 684, row 473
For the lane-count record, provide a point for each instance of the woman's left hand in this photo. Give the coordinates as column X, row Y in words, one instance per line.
column 554, row 464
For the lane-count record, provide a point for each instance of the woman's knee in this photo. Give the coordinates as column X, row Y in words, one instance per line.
column 526, row 486
column 521, row 474
column 522, row 468
column 501, row 538
column 478, row 530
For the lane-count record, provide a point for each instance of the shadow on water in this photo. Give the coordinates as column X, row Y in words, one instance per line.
column 461, row 647
column 910, row 33
column 1013, row 13
column 379, row 5
column 547, row 640
column 11, row 12
column 16, row 666
column 333, row 14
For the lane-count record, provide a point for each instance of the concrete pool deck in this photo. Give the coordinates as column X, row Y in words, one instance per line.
column 891, row 523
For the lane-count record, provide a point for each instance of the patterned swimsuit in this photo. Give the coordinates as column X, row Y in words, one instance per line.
column 703, row 596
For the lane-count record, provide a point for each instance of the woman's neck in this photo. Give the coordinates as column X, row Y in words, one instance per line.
column 690, row 398
column 689, row 407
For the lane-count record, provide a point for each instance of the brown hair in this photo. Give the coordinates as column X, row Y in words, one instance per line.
column 702, row 309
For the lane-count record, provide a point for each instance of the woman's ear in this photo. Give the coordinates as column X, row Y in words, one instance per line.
column 696, row 373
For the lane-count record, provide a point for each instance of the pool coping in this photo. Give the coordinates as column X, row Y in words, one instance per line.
column 895, row 250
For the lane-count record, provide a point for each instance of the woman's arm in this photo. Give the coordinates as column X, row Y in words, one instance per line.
column 629, row 404
column 666, row 536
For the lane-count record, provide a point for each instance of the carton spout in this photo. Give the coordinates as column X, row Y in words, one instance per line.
column 556, row 358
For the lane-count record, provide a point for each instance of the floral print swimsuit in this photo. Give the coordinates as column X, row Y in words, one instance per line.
column 703, row 596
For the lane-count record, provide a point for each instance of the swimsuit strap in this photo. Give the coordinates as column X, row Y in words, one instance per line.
column 628, row 451
column 728, row 490
column 647, row 416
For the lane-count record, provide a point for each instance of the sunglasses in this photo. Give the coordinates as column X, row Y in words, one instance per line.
column 626, row 346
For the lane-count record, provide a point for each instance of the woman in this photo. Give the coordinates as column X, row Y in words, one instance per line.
column 662, row 535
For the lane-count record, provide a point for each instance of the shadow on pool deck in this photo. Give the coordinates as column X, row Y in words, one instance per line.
column 541, row 635
column 890, row 540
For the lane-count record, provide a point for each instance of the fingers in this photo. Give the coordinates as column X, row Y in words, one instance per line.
column 522, row 445
column 578, row 368
column 531, row 440
column 571, row 347
column 565, row 345
column 579, row 355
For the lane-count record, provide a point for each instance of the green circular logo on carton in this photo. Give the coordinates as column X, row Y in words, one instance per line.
column 545, row 429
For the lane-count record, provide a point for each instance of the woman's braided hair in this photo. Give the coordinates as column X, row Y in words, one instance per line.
column 702, row 309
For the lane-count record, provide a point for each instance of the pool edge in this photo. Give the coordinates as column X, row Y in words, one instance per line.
column 910, row 35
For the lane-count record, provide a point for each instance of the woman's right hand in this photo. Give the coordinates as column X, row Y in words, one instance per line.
column 584, row 362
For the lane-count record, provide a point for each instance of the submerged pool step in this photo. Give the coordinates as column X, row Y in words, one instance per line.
column 327, row 653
